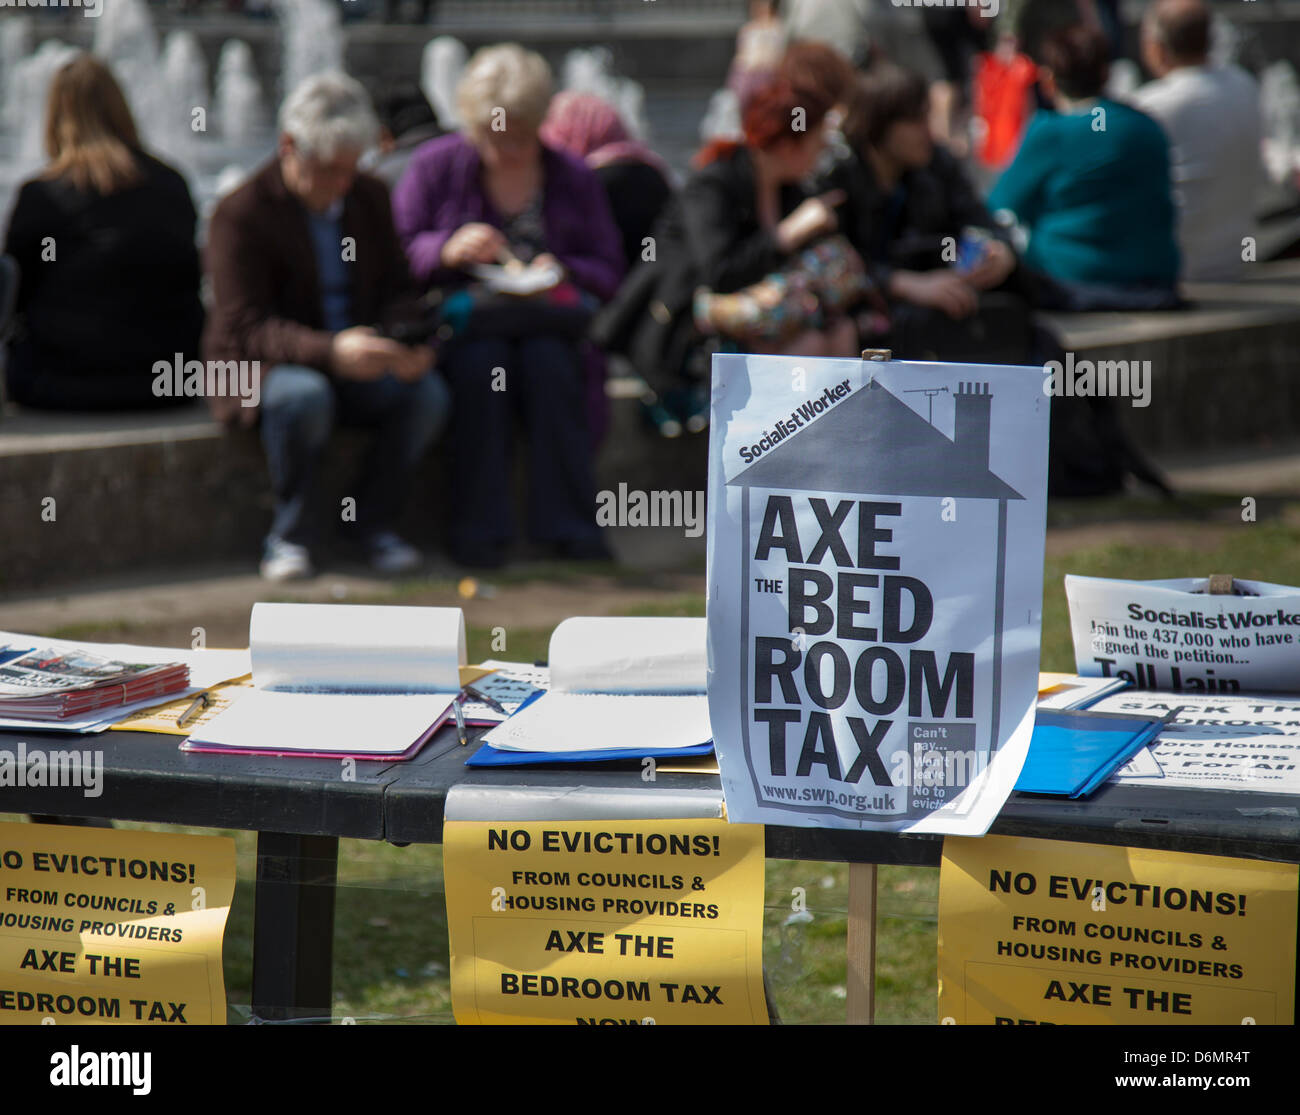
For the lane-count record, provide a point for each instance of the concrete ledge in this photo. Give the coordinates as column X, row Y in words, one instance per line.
column 1222, row 371
column 159, row 491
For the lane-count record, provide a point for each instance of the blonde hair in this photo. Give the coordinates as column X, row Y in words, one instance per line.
column 90, row 134
column 506, row 80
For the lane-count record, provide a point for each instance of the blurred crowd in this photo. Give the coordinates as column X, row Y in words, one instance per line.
column 471, row 288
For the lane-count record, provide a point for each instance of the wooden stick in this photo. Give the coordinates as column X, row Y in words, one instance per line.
column 861, row 945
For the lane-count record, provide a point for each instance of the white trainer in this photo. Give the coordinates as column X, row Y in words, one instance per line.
column 286, row 561
column 389, row 554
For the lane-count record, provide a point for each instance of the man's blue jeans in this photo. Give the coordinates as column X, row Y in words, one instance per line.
column 300, row 407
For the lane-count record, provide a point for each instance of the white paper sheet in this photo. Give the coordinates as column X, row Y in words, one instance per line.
column 350, row 679
column 876, row 537
column 629, row 655
column 1217, row 741
column 562, row 722
column 617, row 684
column 1173, row 635
column 382, row 724
column 357, row 648
column 1142, row 765
column 529, row 280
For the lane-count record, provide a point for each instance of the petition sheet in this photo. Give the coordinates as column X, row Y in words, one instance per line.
column 1175, row 635
column 1217, row 741
column 875, row 582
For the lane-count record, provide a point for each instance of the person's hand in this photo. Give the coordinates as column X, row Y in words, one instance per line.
column 415, row 363
column 548, row 263
column 941, row 290
column 472, row 243
column 360, row 353
column 997, row 262
column 813, row 216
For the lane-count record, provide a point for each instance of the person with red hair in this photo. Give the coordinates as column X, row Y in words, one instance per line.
column 745, row 260
column 752, row 232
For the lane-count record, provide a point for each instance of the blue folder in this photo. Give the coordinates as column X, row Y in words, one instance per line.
column 489, row 756
column 1071, row 753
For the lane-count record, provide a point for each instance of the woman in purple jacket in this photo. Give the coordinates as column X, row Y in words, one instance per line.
column 495, row 194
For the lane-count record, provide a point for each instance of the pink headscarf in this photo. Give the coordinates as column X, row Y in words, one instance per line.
column 586, row 126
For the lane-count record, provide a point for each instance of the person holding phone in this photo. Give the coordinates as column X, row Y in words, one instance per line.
column 305, row 264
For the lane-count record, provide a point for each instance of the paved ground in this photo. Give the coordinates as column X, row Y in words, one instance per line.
column 655, row 567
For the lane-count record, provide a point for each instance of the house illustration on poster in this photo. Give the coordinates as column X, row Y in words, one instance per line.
column 874, row 444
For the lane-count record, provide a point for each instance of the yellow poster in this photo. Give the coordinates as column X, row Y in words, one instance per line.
column 108, row 926
column 1049, row 932
column 605, row 922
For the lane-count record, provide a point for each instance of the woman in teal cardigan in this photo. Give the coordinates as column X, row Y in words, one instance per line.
column 1091, row 186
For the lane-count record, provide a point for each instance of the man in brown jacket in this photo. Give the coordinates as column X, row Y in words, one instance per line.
column 307, row 273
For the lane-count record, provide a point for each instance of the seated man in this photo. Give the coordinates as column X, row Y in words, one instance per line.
column 1211, row 115
column 305, row 264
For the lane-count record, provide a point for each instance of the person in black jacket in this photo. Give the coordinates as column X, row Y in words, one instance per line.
column 104, row 239
column 746, row 216
column 910, row 201
column 741, row 219
column 929, row 242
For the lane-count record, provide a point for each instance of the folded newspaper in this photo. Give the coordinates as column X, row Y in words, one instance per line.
column 40, row 683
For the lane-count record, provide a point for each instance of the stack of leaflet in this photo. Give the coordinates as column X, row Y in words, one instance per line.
column 495, row 690
column 620, row 689
column 342, row 681
column 45, row 683
column 1073, row 752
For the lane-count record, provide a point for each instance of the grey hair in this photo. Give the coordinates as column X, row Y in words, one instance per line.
column 328, row 113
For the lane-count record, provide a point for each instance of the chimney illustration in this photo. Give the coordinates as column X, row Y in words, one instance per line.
column 974, row 417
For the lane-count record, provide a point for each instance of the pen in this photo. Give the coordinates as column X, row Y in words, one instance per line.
column 460, row 721
column 200, row 702
column 491, row 702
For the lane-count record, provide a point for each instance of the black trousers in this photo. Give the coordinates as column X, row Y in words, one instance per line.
column 495, row 381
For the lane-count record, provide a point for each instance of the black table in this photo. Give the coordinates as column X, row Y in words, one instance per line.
column 299, row 809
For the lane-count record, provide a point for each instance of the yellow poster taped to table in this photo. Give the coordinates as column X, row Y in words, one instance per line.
column 1049, row 932
column 109, row 926
column 605, row 922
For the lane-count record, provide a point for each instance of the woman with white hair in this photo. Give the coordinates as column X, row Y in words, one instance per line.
column 496, row 195
column 309, row 285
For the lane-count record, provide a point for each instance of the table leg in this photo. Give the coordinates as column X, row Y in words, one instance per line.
column 293, row 926
column 861, row 945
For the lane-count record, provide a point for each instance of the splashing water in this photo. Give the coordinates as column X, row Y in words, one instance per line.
column 441, row 65
column 591, row 70
column 240, row 107
column 312, row 40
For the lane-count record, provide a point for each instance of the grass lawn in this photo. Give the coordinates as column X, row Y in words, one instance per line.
column 390, row 948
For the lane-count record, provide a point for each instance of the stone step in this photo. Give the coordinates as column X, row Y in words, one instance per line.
column 161, row 491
